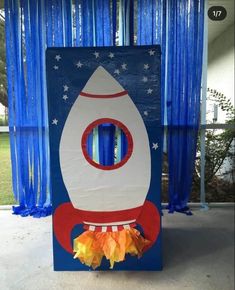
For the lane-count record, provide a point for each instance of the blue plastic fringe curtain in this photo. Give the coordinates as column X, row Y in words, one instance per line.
column 31, row 26
column 178, row 26
column 184, row 69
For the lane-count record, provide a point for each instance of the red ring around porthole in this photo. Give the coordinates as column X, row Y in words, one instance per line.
column 118, row 124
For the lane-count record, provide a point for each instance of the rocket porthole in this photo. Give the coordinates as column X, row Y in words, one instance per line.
column 107, row 144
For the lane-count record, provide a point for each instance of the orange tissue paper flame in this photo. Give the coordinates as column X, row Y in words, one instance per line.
column 90, row 247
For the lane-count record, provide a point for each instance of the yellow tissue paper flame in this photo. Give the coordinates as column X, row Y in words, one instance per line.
column 90, row 247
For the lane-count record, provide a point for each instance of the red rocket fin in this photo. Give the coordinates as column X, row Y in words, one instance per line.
column 149, row 219
column 66, row 217
column 64, row 220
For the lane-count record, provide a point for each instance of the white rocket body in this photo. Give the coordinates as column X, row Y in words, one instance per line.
column 93, row 189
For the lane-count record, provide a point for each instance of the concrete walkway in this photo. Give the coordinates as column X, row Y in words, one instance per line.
column 198, row 254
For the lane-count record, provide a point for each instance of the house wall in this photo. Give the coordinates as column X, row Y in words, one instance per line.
column 221, row 66
column 221, row 78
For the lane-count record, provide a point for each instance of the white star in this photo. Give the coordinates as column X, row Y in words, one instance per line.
column 66, row 88
column 96, row 54
column 111, row 55
column 146, row 113
column 54, row 122
column 151, row 52
column 65, row 97
column 58, row 57
column 149, row 91
column 117, row 71
column 146, row 66
column 144, row 79
column 79, row 64
column 124, row 66
column 55, row 67
column 155, row 146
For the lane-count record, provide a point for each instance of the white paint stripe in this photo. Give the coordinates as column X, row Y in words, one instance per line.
column 114, row 228
column 92, row 228
column 104, row 229
column 127, row 227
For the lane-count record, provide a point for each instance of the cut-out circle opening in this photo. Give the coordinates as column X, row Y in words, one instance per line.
column 107, row 144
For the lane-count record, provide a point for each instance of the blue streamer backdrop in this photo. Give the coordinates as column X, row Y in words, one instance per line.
column 31, row 26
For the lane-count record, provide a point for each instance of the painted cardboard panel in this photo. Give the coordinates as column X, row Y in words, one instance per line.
column 89, row 88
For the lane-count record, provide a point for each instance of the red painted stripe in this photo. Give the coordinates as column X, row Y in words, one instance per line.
column 132, row 225
column 109, row 229
column 98, row 229
column 120, row 228
column 123, row 93
column 93, row 217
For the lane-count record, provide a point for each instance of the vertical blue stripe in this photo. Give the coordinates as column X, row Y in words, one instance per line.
column 106, row 144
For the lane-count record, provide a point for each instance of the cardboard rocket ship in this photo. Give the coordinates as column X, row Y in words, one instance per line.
column 108, row 200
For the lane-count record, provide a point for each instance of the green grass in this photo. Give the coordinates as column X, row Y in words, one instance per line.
column 6, row 194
